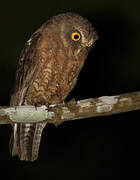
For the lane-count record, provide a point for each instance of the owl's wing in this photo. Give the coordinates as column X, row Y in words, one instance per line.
column 25, row 139
column 27, row 68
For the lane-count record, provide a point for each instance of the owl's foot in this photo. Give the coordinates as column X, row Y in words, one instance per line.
column 39, row 105
column 71, row 102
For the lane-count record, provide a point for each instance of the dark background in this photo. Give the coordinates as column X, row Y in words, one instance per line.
column 92, row 148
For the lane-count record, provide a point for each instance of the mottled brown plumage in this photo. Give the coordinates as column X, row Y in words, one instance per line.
column 47, row 71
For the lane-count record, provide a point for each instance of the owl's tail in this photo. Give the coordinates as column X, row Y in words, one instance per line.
column 25, row 140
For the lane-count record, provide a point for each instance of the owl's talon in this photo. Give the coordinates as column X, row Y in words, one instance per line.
column 37, row 105
column 63, row 102
column 15, row 108
column 47, row 105
column 72, row 102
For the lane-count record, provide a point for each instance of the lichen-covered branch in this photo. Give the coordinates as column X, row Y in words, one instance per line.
column 56, row 114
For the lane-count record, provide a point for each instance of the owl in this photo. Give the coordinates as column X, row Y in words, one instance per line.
column 47, row 71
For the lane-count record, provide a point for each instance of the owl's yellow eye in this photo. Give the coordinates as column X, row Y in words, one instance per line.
column 75, row 36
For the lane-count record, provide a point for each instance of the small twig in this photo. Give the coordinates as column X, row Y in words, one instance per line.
column 106, row 105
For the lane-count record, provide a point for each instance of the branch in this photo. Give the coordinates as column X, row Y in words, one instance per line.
column 56, row 114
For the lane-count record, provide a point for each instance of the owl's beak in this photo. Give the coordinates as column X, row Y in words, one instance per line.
column 92, row 40
column 90, row 44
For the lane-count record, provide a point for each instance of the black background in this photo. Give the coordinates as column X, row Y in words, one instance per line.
column 92, row 148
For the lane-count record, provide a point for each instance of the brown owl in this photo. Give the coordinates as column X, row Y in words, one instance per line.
column 47, row 71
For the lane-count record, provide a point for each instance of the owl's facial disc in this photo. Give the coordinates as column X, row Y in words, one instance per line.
column 82, row 41
column 79, row 37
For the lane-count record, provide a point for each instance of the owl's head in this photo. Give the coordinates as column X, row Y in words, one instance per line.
column 76, row 32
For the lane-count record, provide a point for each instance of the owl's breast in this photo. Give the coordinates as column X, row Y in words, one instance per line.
column 56, row 77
